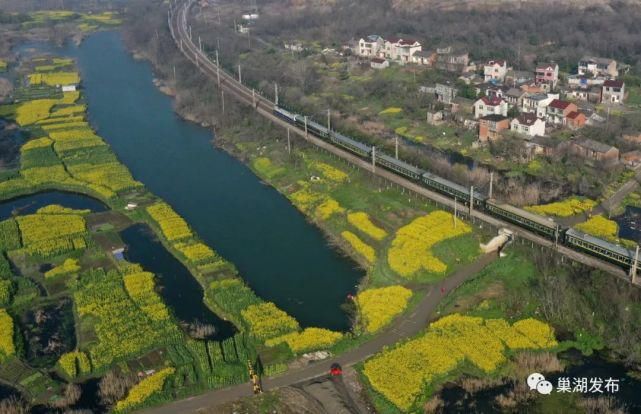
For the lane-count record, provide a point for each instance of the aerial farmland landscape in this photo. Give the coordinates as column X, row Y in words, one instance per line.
column 320, row 207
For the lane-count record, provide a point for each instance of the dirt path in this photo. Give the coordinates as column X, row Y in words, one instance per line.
column 407, row 326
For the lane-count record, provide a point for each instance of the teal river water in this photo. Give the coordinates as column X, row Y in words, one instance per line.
column 283, row 258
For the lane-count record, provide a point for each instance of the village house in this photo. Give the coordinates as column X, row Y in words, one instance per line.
column 445, row 93
column 400, row 49
column 528, row 124
column 632, row 138
column 516, row 78
column 631, row 159
column 537, row 103
column 491, row 126
column 613, row 91
column 514, row 97
column 490, row 106
column 576, row 120
column 370, row 46
column 547, row 75
column 424, row 57
column 452, row 61
column 471, row 78
column 463, row 107
column 294, row 46
column 594, row 150
column 495, row 71
column 250, row 16
column 598, row 67
column 541, row 145
column 592, row 94
column 378, row 63
column 558, row 110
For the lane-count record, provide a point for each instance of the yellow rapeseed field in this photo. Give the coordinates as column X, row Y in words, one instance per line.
column 266, row 321
column 67, row 267
column 54, row 78
column 565, row 208
column 7, row 347
column 362, row 222
column 330, row 172
column 600, row 226
column 328, row 208
column 360, row 246
column 379, row 306
column 411, row 248
column 172, row 225
column 308, row 340
column 145, row 389
column 140, row 288
column 401, row 373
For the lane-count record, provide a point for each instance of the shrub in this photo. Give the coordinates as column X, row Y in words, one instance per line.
column 379, row 306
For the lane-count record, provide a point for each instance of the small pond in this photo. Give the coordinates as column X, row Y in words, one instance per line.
column 178, row 288
column 630, row 224
column 31, row 203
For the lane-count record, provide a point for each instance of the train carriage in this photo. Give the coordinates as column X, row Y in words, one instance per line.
column 539, row 224
column 598, row 247
column 452, row 189
column 351, row 144
column 399, row 166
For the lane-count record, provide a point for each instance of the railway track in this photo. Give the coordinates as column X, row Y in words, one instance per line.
column 177, row 21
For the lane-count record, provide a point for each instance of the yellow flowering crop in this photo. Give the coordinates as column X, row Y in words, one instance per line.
column 197, row 252
column 31, row 111
column 266, row 321
column 55, row 78
column 411, row 248
column 362, row 222
column 69, row 97
column 360, row 246
column 305, row 199
column 266, row 168
column 565, row 208
column 600, row 226
column 41, row 175
column 75, row 363
column 328, row 208
column 392, row 110
column 7, row 347
column 379, row 306
column 140, row 287
column 330, row 172
column 401, row 373
column 67, row 267
column 308, row 340
column 112, row 175
column 75, row 138
column 145, row 389
column 36, row 143
column 172, row 225
column 69, row 110
column 39, row 227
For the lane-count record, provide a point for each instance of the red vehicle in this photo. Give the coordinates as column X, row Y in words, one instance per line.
column 335, row 370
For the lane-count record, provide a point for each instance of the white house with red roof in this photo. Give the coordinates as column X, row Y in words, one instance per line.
column 613, row 91
column 495, row 71
column 401, row 49
column 558, row 111
column 528, row 124
column 490, row 106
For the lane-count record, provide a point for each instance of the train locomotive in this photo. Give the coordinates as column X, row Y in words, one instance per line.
column 540, row 225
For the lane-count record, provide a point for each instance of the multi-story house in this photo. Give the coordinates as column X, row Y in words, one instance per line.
column 598, row 67
column 558, row 110
column 495, row 71
column 451, row 60
column 576, row 120
column 491, row 126
column 613, row 91
column 490, row 106
column 424, row 57
column 371, row 46
column 547, row 75
column 514, row 97
column 400, row 49
column 528, row 124
column 537, row 103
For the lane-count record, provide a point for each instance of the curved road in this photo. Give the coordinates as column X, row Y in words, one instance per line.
column 404, row 327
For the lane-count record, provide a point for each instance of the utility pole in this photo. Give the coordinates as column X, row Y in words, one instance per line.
column 373, row 159
column 396, row 146
column 471, row 201
column 491, row 183
column 222, row 96
column 174, row 73
column 633, row 269
column 200, row 44
column 289, row 143
column 276, row 94
column 189, row 32
column 455, row 211
column 329, row 120
column 217, row 68
column 240, row 78
column 253, row 98
column 181, row 45
column 305, row 126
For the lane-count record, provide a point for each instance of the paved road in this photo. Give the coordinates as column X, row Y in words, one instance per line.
column 407, row 326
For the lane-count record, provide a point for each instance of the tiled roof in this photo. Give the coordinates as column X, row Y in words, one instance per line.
column 378, row 60
column 493, row 118
column 613, row 83
column 595, row 145
column 559, row 104
column 527, row 118
column 496, row 62
column 494, row 101
column 546, row 65
column 574, row 114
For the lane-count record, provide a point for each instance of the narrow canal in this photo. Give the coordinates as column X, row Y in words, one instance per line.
column 283, row 258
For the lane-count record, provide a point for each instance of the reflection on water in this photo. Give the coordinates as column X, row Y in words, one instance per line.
column 630, row 224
